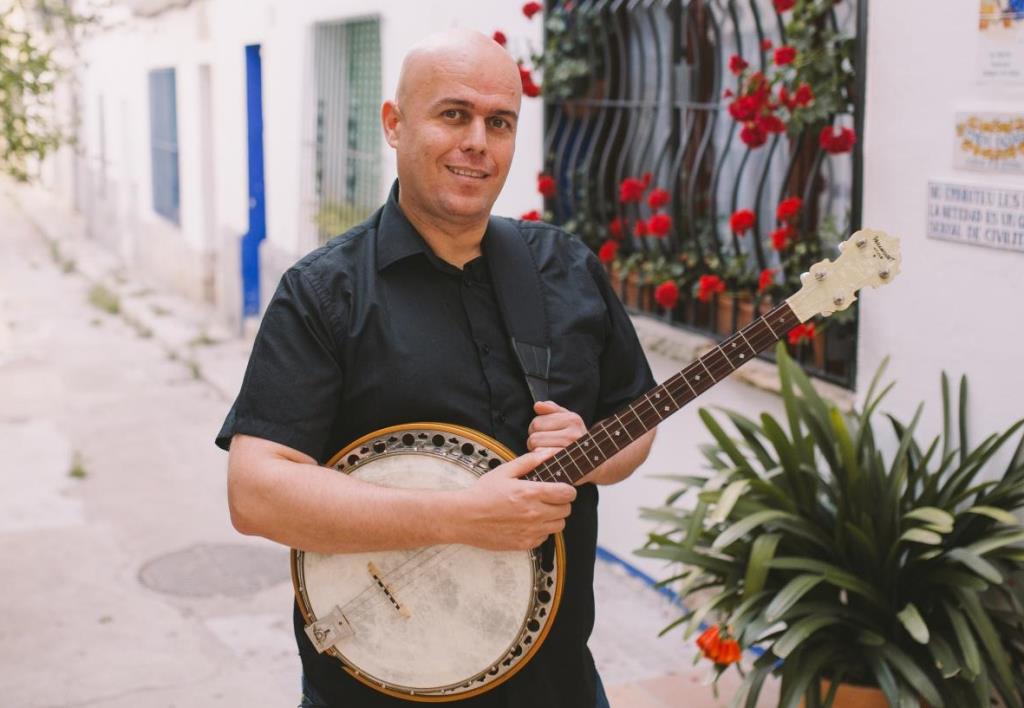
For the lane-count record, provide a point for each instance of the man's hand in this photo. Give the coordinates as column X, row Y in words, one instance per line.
column 502, row 512
column 554, row 426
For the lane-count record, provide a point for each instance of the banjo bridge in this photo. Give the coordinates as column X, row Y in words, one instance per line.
column 378, row 577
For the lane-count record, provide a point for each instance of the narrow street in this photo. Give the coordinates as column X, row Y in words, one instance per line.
column 124, row 583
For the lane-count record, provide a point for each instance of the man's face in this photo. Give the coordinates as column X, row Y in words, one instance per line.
column 454, row 135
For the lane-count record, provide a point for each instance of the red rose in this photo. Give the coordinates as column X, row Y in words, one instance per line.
column 532, row 8
column 727, row 93
column 783, row 5
column 631, row 190
column 771, row 123
column 835, row 143
column 499, row 37
column 615, row 228
column 785, row 99
column 667, row 294
column 533, row 215
column 766, row 44
column 529, row 88
column 708, row 285
column 801, row 332
column 788, row 208
column 781, row 236
column 784, row 55
column 804, row 96
column 659, row 225
column 743, row 108
column 753, row 136
column 658, row 198
column 546, row 185
column 646, row 178
column 741, row 221
column 766, row 279
column 606, row 254
column 736, row 64
column 640, row 228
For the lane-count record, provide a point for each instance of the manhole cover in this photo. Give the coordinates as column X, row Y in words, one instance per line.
column 206, row 570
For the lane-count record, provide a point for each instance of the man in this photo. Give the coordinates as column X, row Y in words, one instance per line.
column 397, row 321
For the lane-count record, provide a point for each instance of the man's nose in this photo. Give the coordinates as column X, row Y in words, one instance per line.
column 475, row 135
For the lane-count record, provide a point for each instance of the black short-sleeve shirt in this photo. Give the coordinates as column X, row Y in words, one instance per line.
column 373, row 329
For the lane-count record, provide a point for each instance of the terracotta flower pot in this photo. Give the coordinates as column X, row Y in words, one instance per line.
column 850, row 696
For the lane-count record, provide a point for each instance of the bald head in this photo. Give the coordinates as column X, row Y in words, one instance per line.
column 452, row 125
column 459, row 51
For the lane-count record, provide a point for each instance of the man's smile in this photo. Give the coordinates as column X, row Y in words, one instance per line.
column 466, row 172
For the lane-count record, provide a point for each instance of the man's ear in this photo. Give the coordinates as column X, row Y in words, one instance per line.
column 390, row 118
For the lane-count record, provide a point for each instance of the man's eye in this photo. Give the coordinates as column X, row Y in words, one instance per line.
column 499, row 123
column 451, row 113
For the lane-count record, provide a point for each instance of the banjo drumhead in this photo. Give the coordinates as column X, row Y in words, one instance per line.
column 442, row 621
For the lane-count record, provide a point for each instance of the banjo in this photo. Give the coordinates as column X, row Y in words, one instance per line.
column 444, row 623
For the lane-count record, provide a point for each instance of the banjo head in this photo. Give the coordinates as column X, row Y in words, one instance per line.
column 437, row 623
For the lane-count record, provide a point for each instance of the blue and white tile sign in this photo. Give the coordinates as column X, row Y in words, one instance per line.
column 976, row 214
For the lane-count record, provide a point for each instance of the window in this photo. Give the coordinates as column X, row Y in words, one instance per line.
column 347, row 69
column 163, row 133
column 645, row 91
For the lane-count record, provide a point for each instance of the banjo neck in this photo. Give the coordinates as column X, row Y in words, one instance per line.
column 609, row 436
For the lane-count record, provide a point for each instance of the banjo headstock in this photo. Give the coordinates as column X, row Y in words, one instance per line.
column 867, row 258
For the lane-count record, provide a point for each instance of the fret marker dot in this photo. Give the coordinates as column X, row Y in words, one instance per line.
column 595, row 457
column 697, row 377
column 586, row 444
column 666, row 407
column 617, row 432
column 657, row 395
column 741, row 355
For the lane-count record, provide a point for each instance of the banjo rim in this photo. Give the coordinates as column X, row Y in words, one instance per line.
column 560, row 559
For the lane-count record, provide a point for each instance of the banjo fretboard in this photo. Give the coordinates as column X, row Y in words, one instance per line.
column 612, row 434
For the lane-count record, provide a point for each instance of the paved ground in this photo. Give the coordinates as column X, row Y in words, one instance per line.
column 124, row 583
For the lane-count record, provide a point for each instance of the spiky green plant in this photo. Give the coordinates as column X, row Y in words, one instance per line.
column 849, row 562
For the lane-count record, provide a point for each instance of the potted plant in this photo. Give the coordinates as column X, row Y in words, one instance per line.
column 848, row 563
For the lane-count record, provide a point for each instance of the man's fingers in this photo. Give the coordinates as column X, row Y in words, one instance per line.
column 546, row 407
column 557, row 493
column 519, row 466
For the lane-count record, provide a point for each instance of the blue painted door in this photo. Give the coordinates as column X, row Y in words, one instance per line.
column 257, row 209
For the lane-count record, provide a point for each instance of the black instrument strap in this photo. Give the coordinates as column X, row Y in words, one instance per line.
column 517, row 287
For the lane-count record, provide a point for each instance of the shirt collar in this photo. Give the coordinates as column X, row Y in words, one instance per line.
column 397, row 238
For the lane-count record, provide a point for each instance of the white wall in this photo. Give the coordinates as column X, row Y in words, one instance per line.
column 215, row 33
column 954, row 307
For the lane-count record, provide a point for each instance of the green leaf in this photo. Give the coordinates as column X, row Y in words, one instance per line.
column 978, row 564
column 914, row 676
column 914, row 623
column 790, row 594
column 996, row 541
column 724, row 441
column 998, row 657
column 761, row 553
column 1000, row 515
column 945, row 657
column 933, row 515
column 746, row 525
column 919, row 535
column 728, row 500
column 831, row 574
column 964, row 639
column 799, row 632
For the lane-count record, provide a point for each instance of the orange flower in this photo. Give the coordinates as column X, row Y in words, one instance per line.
column 722, row 650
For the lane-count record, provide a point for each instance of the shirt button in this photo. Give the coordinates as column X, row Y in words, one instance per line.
column 485, row 349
